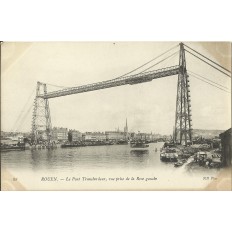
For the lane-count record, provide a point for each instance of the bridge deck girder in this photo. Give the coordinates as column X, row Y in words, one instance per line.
column 131, row 80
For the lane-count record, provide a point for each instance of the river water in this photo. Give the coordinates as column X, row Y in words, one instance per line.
column 104, row 162
column 91, row 157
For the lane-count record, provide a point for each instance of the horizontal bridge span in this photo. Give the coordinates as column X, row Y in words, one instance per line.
column 126, row 80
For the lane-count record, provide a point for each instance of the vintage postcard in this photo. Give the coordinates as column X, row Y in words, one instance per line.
column 116, row 116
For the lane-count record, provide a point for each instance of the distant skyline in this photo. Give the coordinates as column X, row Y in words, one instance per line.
column 119, row 129
column 147, row 106
column 116, row 129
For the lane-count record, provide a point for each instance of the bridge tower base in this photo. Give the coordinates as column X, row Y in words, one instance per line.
column 183, row 126
column 41, row 119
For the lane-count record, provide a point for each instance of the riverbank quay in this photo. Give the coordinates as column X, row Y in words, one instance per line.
column 195, row 157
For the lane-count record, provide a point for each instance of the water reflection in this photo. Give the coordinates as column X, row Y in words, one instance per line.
column 139, row 158
column 103, row 157
column 35, row 156
column 139, row 153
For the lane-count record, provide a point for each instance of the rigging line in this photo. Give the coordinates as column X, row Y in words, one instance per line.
column 209, row 83
column 148, row 62
column 21, row 113
column 135, row 68
column 56, row 85
column 159, row 62
column 169, row 60
column 208, row 58
column 207, row 63
column 207, row 79
column 24, row 118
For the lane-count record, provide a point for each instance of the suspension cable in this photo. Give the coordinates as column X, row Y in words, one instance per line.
column 58, row 86
column 208, row 83
column 22, row 111
column 207, row 79
column 24, row 118
column 148, row 62
column 207, row 63
column 208, row 59
column 135, row 68
column 159, row 62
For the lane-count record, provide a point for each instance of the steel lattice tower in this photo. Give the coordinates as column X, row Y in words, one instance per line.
column 41, row 120
column 183, row 127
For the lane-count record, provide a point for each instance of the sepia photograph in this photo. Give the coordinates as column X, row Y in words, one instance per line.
column 116, row 116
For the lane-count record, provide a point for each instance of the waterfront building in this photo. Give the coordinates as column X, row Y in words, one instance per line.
column 94, row 136
column 132, row 135
column 60, row 134
column 15, row 136
column 4, row 134
column 75, row 135
column 115, row 135
column 143, row 136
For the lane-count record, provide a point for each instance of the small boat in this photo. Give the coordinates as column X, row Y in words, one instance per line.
column 139, row 145
column 169, row 155
column 178, row 164
column 13, row 147
column 122, row 142
column 72, row 145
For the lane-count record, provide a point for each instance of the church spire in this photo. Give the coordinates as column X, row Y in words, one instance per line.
column 126, row 127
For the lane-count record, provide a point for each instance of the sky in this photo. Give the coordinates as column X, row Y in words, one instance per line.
column 148, row 107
